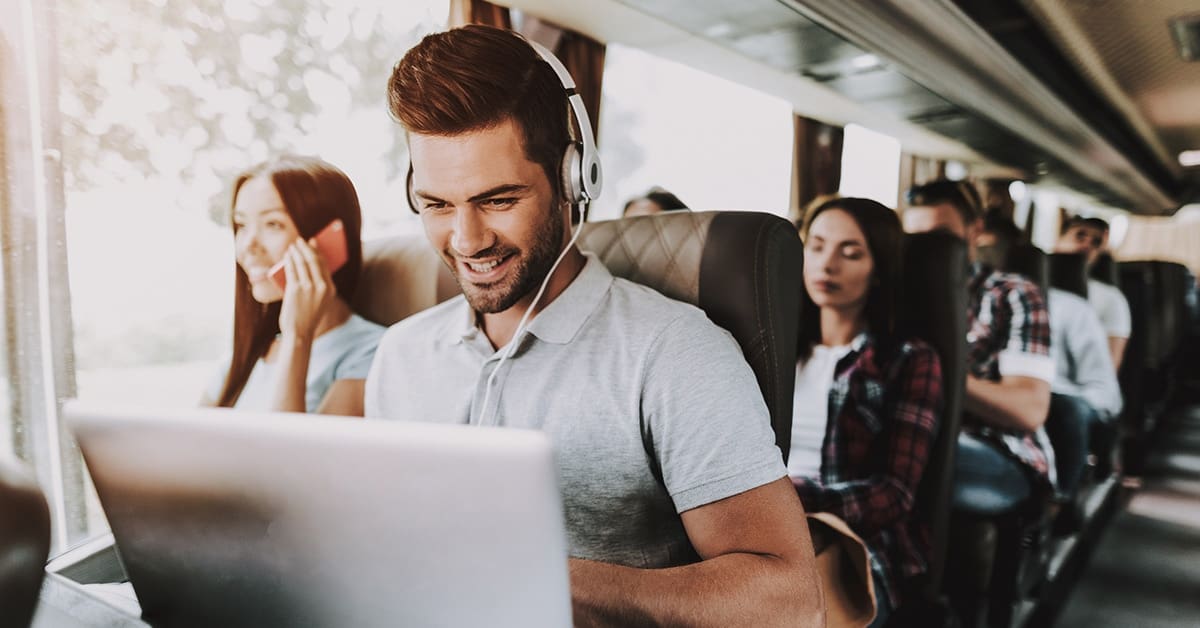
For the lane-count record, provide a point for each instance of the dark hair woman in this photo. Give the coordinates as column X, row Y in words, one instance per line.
column 867, row 397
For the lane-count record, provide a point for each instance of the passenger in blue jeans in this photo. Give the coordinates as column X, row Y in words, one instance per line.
column 1004, row 454
column 1085, row 394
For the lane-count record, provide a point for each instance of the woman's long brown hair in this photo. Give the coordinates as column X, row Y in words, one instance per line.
column 314, row 193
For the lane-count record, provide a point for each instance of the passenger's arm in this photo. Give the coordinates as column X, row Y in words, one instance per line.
column 1016, row 402
column 1116, row 349
column 291, row 381
column 758, row 569
column 344, row 398
column 911, row 418
column 307, row 297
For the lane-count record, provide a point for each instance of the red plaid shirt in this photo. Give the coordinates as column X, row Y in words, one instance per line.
column 1007, row 312
column 883, row 419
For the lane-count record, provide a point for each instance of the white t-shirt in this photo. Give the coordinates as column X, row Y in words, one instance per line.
column 810, row 409
column 344, row 352
column 1111, row 307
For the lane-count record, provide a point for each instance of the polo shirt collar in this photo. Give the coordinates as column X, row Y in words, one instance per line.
column 564, row 317
column 558, row 322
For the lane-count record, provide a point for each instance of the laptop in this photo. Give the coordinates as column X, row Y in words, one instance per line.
column 232, row 518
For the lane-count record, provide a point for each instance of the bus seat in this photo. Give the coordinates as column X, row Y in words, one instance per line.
column 401, row 276
column 1030, row 261
column 742, row 268
column 1068, row 271
column 1137, row 284
column 24, row 544
column 934, row 308
column 1105, row 269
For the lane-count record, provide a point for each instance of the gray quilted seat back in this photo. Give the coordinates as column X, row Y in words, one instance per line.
column 742, row 268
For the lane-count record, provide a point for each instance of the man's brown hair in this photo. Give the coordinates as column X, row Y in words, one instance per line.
column 477, row 77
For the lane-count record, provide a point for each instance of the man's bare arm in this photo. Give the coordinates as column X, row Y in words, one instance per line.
column 1116, row 348
column 758, row 569
column 1015, row 402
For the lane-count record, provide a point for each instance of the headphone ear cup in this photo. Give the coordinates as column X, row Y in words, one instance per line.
column 572, row 166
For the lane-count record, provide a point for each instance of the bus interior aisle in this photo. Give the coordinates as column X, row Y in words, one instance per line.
column 1145, row 570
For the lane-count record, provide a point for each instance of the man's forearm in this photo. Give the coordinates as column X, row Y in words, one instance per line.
column 1013, row 407
column 738, row 589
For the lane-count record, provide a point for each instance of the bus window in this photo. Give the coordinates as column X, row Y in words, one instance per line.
column 870, row 165
column 714, row 143
column 162, row 104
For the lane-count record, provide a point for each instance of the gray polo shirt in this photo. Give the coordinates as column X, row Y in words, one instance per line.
column 651, row 407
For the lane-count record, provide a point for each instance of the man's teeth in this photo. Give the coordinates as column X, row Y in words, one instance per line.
column 483, row 268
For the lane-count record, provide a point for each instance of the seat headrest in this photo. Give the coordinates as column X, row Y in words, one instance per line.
column 1030, row 261
column 1068, row 271
column 401, row 276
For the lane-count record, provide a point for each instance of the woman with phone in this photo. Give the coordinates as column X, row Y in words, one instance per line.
column 297, row 345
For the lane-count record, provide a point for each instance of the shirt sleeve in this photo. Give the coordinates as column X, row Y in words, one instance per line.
column 708, row 424
column 357, row 361
column 1095, row 377
column 913, row 409
column 1027, row 351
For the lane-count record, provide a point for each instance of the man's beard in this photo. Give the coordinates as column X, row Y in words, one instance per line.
column 526, row 275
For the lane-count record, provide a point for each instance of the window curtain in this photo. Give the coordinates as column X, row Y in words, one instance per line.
column 816, row 162
column 581, row 55
column 464, row 12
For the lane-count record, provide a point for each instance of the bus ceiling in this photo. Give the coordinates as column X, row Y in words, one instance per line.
column 1098, row 97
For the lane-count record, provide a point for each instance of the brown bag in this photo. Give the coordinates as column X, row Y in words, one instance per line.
column 844, row 566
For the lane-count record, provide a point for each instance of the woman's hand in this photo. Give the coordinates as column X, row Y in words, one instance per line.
column 309, row 293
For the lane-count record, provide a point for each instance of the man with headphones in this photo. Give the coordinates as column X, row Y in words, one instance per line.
column 677, row 502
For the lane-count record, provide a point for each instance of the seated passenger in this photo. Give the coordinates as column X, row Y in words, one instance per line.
column 1090, row 236
column 1085, row 389
column 1003, row 452
column 867, row 398
column 299, row 348
column 656, row 201
column 672, row 486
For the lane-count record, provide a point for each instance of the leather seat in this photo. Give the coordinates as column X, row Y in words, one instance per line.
column 744, row 269
column 1068, row 271
column 1030, row 261
column 1105, row 269
column 24, row 544
column 401, row 276
column 934, row 309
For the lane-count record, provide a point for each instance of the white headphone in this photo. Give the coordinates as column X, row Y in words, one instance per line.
column 580, row 171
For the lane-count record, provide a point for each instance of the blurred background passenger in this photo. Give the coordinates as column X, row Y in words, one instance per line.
column 867, row 397
column 1003, row 454
column 655, row 201
column 1090, row 236
column 299, row 348
column 1085, row 396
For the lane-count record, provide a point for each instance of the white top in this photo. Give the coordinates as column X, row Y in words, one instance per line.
column 650, row 406
column 810, row 409
column 344, row 352
column 1111, row 307
column 1083, row 365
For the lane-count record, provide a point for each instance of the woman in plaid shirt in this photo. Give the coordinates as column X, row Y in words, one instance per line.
column 867, row 397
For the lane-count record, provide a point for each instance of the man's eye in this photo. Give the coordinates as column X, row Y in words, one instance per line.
column 499, row 203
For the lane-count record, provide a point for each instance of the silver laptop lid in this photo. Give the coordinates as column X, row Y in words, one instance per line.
column 270, row 519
